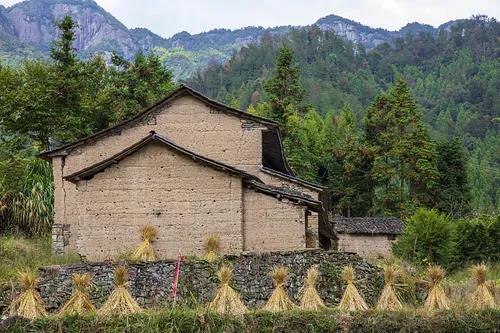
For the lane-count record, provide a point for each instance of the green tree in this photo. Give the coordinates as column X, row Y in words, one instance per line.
column 284, row 90
column 404, row 171
column 452, row 189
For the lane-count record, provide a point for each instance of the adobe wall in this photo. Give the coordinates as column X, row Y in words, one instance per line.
column 150, row 283
column 188, row 122
column 366, row 245
column 271, row 224
column 184, row 199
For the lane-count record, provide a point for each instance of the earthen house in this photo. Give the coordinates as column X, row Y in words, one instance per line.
column 191, row 167
column 367, row 236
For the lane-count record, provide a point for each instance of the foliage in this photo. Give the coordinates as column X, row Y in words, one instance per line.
column 452, row 193
column 186, row 320
column 476, row 239
column 427, row 238
column 21, row 254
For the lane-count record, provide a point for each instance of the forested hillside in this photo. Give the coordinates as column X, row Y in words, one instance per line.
column 454, row 76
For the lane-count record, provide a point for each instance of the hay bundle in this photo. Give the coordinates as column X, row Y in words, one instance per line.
column 227, row 300
column 120, row 301
column 279, row 300
column 145, row 251
column 310, row 299
column 388, row 299
column 212, row 248
column 28, row 304
column 482, row 298
column 351, row 300
column 79, row 303
column 436, row 299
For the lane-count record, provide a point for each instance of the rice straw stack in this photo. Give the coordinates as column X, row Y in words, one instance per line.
column 351, row 300
column 310, row 299
column 79, row 303
column 120, row 301
column 436, row 299
column 212, row 248
column 388, row 299
column 482, row 297
column 28, row 304
column 145, row 251
column 227, row 300
column 279, row 300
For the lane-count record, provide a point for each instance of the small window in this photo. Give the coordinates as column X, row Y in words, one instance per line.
column 391, row 237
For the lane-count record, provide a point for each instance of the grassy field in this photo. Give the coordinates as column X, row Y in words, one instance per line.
column 189, row 320
column 20, row 254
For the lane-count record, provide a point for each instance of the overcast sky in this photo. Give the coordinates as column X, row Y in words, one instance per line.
column 167, row 17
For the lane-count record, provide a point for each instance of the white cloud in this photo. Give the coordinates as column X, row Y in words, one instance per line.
column 166, row 17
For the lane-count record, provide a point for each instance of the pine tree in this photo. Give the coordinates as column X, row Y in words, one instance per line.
column 284, row 90
column 404, row 168
column 452, row 190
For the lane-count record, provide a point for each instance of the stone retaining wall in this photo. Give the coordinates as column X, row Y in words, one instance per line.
column 150, row 283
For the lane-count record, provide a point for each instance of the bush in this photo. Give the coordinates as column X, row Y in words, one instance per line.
column 476, row 240
column 428, row 238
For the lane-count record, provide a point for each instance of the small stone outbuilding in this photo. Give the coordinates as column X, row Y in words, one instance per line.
column 367, row 236
column 191, row 167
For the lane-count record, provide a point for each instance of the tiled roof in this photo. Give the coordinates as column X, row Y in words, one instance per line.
column 367, row 225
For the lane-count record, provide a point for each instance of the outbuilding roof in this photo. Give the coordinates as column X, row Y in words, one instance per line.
column 272, row 148
column 368, row 225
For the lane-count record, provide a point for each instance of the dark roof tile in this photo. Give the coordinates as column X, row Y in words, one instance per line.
column 367, row 225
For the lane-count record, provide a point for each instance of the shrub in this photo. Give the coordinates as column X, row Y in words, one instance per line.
column 476, row 240
column 428, row 238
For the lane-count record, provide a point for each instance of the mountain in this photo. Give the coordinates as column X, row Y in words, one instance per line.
column 27, row 29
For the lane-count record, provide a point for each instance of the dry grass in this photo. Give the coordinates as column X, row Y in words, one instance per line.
column 28, row 304
column 388, row 299
column 212, row 248
column 79, row 303
column 227, row 300
column 279, row 300
column 310, row 299
column 436, row 299
column 482, row 298
column 120, row 301
column 351, row 300
column 145, row 251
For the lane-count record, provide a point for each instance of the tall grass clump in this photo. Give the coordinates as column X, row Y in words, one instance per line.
column 436, row 298
column 351, row 300
column 120, row 301
column 145, row 251
column 482, row 297
column 212, row 247
column 79, row 302
column 311, row 300
column 279, row 300
column 227, row 300
column 28, row 304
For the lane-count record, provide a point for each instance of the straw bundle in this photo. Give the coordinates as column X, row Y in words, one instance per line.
column 279, row 300
column 351, row 300
column 310, row 299
column 227, row 300
column 482, row 297
column 212, row 248
column 120, row 301
column 436, row 299
column 28, row 304
column 145, row 251
column 388, row 299
column 79, row 303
